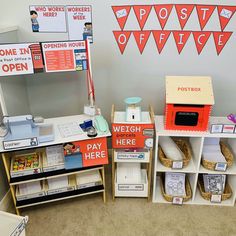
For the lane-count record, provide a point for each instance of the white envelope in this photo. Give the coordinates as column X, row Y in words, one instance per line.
column 226, row 13
column 121, row 13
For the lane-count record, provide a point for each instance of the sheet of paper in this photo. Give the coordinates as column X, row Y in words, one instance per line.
column 88, row 177
column 31, row 187
column 70, row 129
column 171, row 149
column 175, row 184
column 214, row 183
column 211, row 141
column 128, row 172
column 59, row 182
column 55, row 155
column 213, row 153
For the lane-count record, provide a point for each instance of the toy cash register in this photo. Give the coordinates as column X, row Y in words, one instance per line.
column 22, row 131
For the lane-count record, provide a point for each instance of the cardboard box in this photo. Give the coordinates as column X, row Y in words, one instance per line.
column 69, row 187
column 27, row 163
column 31, row 194
column 88, row 179
column 132, row 189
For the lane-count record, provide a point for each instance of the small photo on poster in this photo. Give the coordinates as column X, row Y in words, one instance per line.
column 79, row 20
column 48, row 19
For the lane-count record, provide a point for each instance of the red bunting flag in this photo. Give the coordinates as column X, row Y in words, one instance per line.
column 201, row 39
column 142, row 12
column 121, row 13
column 204, row 13
column 141, row 38
column 181, row 37
column 183, row 12
column 163, row 12
column 122, row 38
column 161, row 37
column 221, row 38
column 225, row 13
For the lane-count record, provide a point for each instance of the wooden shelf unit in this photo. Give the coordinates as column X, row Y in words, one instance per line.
column 196, row 140
column 13, row 182
column 61, row 102
column 143, row 188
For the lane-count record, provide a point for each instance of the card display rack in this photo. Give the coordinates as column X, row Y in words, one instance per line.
column 22, row 89
column 131, row 149
column 194, row 169
column 43, row 176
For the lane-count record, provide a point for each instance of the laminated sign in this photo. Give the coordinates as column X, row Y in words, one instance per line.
column 79, row 20
column 93, row 151
column 65, row 56
column 18, row 59
column 48, row 18
column 132, row 135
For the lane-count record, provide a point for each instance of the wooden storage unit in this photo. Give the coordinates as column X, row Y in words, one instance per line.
column 61, row 101
column 194, row 168
column 7, row 155
column 132, row 143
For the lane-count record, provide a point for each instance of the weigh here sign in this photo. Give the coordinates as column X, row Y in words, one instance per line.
column 15, row 59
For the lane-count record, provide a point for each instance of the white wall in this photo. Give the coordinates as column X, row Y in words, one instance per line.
column 118, row 76
column 15, row 95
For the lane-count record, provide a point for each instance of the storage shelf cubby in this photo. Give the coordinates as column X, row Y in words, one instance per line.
column 194, row 168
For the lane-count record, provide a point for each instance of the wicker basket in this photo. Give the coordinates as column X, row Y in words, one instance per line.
column 169, row 198
column 227, row 154
column 207, row 195
column 184, row 147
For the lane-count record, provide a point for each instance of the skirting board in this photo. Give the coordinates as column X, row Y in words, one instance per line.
column 6, row 203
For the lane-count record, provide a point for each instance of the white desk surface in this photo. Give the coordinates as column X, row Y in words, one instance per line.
column 58, row 138
column 161, row 131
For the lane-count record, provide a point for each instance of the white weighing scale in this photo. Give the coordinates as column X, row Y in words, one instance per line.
column 133, row 112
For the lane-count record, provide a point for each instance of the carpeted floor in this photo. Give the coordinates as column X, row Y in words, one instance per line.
column 89, row 216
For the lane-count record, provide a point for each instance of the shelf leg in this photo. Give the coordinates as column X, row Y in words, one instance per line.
column 6, row 163
column 150, row 174
column 104, row 184
column 113, row 175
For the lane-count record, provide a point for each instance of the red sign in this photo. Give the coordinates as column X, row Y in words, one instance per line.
column 142, row 12
column 183, row 12
column 132, row 135
column 221, row 38
column 62, row 56
column 141, row 38
column 16, row 59
column 121, row 13
column 201, row 39
column 94, row 151
column 204, row 13
column 163, row 13
column 181, row 37
column 161, row 37
column 122, row 38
